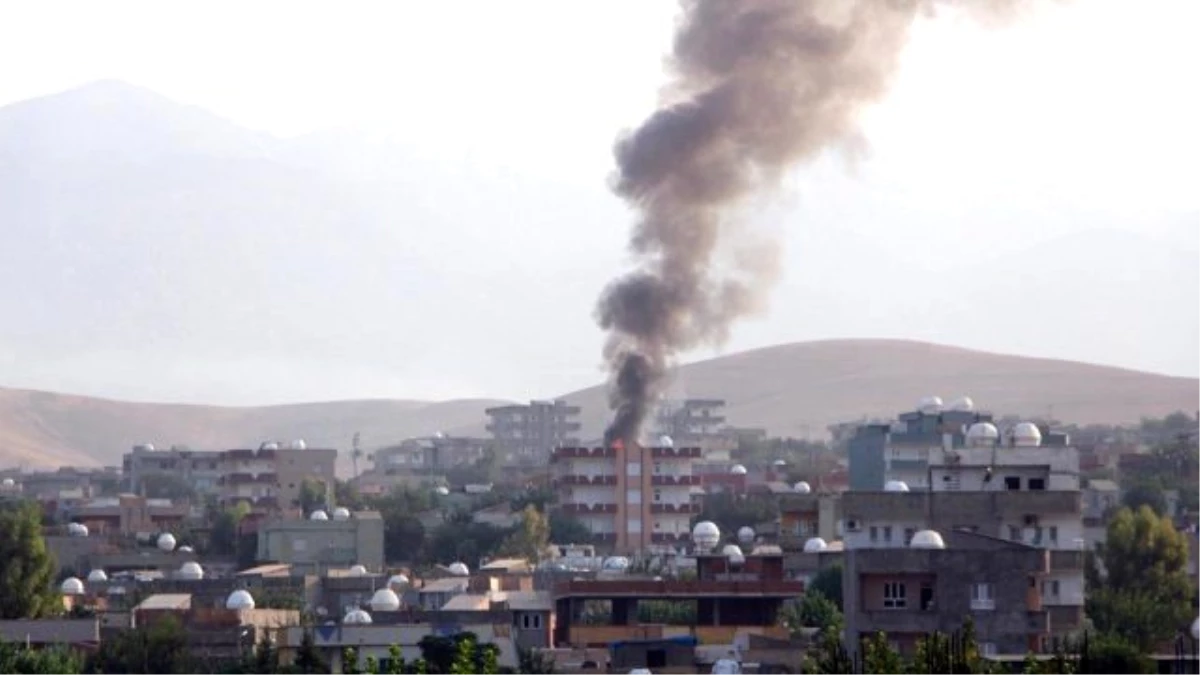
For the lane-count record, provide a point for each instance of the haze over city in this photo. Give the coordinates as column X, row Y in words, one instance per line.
column 431, row 216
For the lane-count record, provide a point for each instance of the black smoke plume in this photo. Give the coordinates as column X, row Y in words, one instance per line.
column 757, row 87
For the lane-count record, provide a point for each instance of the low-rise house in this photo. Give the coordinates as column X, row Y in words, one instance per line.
column 217, row 633
column 316, row 545
column 375, row 641
column 82, row 634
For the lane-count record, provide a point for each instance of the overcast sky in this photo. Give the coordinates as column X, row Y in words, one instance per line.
column 1080, row 116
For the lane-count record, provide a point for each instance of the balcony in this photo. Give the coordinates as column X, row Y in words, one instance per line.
column 670, row 538
column 242, row 478
column 585, row 509
column 898, row 621
column 583, row 453
column 1066, row 560
column 675, row 453
column 666, row 479
column 685, row 508
column 604, row 537
column 1038, row 622
column 579, row 479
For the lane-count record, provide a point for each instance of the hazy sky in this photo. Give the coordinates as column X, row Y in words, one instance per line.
column 1079, row 117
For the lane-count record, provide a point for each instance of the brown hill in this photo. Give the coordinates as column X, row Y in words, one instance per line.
column 798, row 389
column 794, row 389
column 45, row 429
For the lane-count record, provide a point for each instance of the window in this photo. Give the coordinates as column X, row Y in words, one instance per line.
column 887, row 533
column 874, row 534
column 1014, row 533
column 633, row 496
column 633, row 524
column 1037, row 483
column 658, row 495
column 531, row 621
column 908, row 535
column 1053, row 534
column 894, row 595
column 982, row 597
column 657, row 468
column 633, row 468
column 1012, row 482
column 1054, row 588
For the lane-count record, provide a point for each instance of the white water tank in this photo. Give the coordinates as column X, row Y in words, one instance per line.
column 737, row 470
column 666, row 441
column 318, row 515
column 385, row 600
column 705, row 535
column 357, row 616
column 298, row 444
column 982, row 434
column 97, row 576
column 358, row 571
column 815, row 545
column 442, row 490
column 802, row 487
column 930, row 405
column 459, row 569
column 746, row 534
column 895, row 486
column 1026, row 435
column 963, row 404
column 341, row 513
column 166, row 542
column 927, row 539
column 72, row 586
column 239, row 599
column 191, row 570
column 398, row 581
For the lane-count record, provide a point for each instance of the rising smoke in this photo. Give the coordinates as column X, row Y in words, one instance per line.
column 758, row 86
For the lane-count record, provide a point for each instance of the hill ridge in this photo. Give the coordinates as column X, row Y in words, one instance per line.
column 790, row 389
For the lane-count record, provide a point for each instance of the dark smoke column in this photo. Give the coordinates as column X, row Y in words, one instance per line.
column 757, row 87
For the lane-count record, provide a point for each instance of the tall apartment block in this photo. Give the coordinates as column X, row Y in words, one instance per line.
column 972, row 477
column 199, row 468
column 527, row 433
column 632, row 498
column 270, row 477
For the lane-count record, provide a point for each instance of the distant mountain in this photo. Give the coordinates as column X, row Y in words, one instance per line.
column 794, row 389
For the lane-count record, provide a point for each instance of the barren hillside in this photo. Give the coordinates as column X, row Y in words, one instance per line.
column 794, row 389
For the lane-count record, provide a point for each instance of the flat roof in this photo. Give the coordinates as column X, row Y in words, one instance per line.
column 166, row 601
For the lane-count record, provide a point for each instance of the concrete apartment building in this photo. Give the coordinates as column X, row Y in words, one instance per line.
column 129, row 514
column 527, row 433
column 1003, row 485
column 632, row 498
column 270, row 477
column 937, row 581
column 314, row 546
column 199, row 468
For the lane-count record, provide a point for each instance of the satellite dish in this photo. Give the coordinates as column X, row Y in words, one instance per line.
column 166, row 542
column 72, row 586
column 385, row 600
column 97, row 576
column 239, row 599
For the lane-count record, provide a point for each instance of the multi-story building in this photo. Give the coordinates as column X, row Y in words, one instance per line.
column 270, row 477
column 427, row 455
column 632, row 498
column 129, row 514
column 527, row 433
column 312, row 546
column 692, row 421
column 200, row 469
column 67, row 483
column 934, row 582
column 1009, row 485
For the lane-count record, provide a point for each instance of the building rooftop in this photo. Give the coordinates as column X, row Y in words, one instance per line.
column 166, row 602
column 1103, row 485
column 506, row 565
column 268, row 570
column 447, row 585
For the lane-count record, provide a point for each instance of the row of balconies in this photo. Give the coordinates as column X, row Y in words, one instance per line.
column 686, row 508
column 246, row 478
column 588, row 508
column 583, row 453
column 578, row 479
column 245, row 454
column 669, row 479
column 675, row 453
column 670, row 538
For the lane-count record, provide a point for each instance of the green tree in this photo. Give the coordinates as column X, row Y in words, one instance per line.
column 818, row 611
column 350, row 660
column 395, row 661
column 1145, row 493
column 531, row 536
column 313, row 495
column 159, row 648
column 565, row 529
column 266, row 657
column 56, row 659
column 879, row 657
column 26, row 565
column 1145, row 590
column 308, row 659
column 226, row 527
column 828, row 582
column 1111, row 653
column 464, row 659
column 534, row 662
